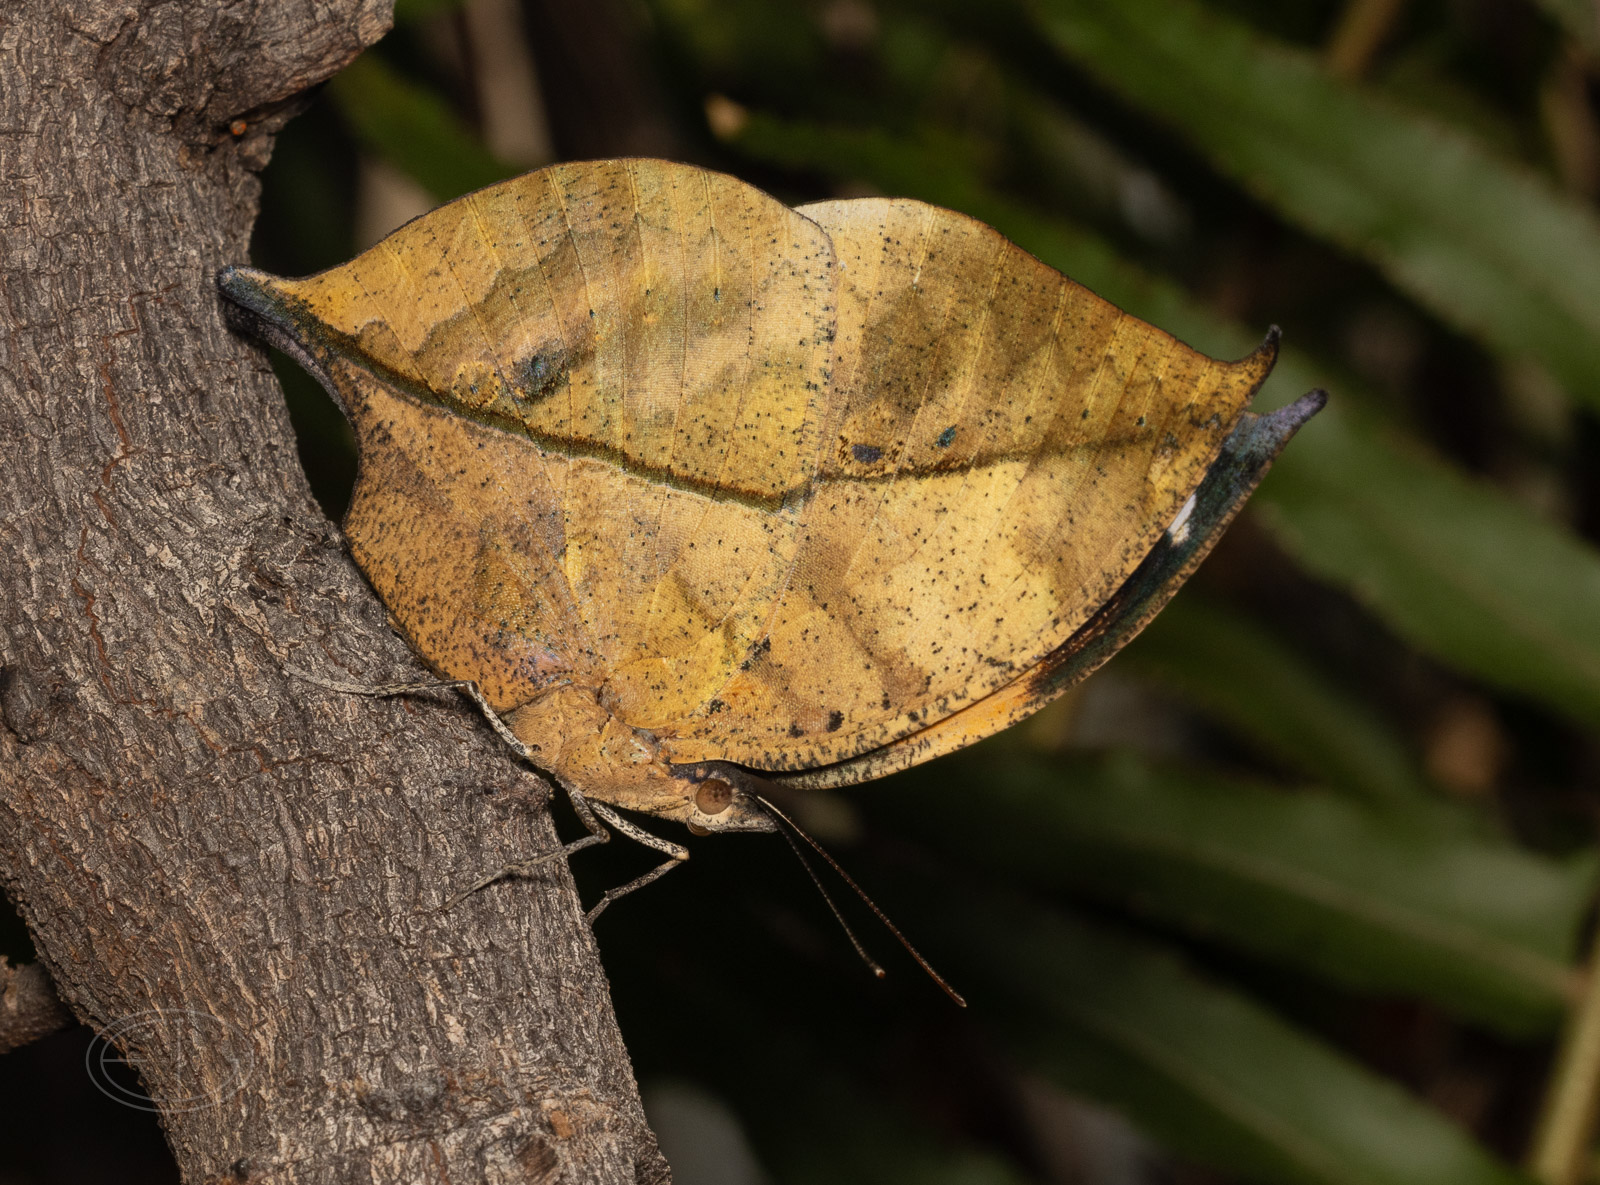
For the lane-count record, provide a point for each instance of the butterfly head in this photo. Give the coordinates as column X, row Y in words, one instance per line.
column 722, row 797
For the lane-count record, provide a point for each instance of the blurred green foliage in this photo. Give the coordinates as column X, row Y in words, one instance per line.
column 1328, row 925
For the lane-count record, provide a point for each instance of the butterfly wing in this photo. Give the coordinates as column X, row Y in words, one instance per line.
column 588, row 403
column 1244, row 461
column 625, row 425
column 1003, row 450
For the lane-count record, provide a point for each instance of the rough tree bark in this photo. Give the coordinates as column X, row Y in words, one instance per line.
column 236, row 873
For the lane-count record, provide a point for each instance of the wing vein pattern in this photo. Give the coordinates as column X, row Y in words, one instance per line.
column 776, row 487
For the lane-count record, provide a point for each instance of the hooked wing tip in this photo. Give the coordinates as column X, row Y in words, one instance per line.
column 1258, row 363
column 1289, row 419
column 1267, row 351
column 1263, row 436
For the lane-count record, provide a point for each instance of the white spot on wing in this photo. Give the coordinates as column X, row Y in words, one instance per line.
column 1179, row 530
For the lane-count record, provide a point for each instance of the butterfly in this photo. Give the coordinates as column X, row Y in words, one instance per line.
column 703, row 495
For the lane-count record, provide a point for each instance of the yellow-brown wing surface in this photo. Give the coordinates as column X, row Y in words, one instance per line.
column 589, row 403
column 1003, row 450
column 1246, row 456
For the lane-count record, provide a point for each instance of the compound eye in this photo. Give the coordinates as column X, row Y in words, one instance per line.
column 713, row 796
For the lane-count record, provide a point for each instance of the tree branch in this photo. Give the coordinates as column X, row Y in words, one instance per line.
column 29, row 1006
column 237, row 875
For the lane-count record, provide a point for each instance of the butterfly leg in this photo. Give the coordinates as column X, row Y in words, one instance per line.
column 467, row 687
column 585, row 812
column 676, row 853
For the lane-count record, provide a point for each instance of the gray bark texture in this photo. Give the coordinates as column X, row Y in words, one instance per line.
column 234, row 874
column 29, row 1005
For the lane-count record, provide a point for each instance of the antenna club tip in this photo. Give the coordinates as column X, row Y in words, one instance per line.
column 879, row 973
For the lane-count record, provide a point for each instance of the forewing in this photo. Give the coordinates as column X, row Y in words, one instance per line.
column 1005, row 449
column 594, row 397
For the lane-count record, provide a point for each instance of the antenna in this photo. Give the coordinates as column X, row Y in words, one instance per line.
column 859, row 892
column 872, row 964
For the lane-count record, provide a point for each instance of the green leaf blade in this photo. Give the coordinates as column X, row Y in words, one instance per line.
column 1205, row 1070
column 1453, row 565
column 1480, row 240
column 1320, row 882
column 413, row 129
column 1238, row 672
column 1579, row 18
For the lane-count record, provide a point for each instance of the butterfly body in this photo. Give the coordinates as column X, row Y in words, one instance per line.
column 689, row 483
